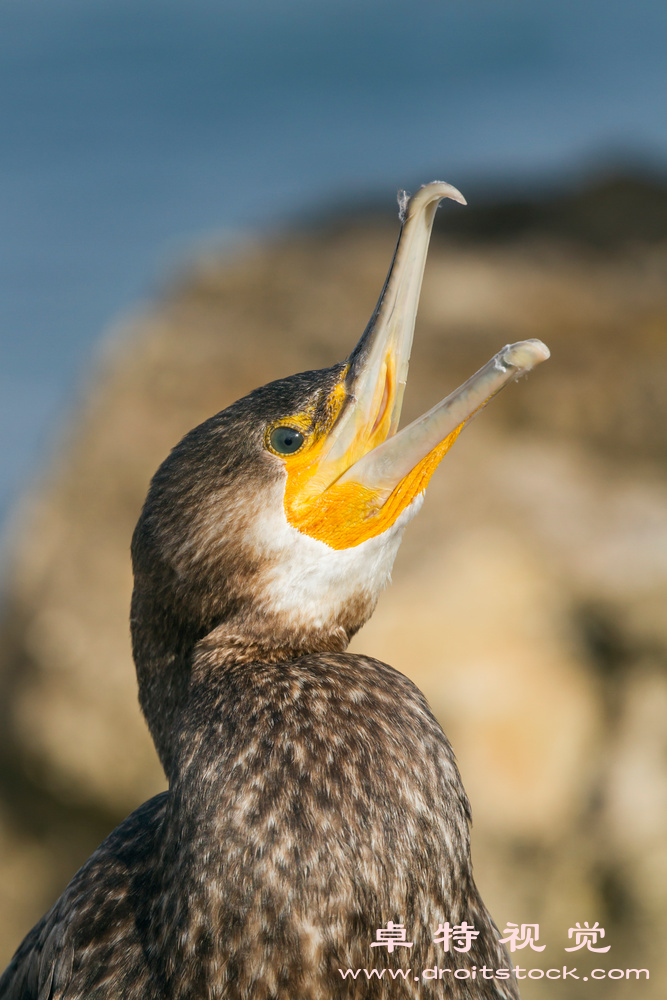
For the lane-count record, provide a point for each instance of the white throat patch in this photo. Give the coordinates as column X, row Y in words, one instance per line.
column 308, row 583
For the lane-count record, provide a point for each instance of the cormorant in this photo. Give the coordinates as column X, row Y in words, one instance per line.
column 315, row 820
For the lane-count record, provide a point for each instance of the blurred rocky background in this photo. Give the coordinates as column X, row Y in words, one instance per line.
column 529, row 596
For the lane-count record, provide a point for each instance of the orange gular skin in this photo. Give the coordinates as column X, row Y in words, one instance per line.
column 343, row 515
column 314, row 503
column 347, row 514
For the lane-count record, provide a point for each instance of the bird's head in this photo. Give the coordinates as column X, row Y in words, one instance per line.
column 277, row 521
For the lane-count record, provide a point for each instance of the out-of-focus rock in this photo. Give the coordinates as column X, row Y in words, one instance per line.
column 528, row 598
column 482, row 629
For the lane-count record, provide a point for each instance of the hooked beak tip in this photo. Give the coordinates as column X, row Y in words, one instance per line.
column 435, row 191
column 449, row 191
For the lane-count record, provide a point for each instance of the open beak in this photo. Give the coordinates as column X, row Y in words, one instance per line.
column 367, row 473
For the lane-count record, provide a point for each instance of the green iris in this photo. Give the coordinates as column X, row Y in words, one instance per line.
column 285, row 440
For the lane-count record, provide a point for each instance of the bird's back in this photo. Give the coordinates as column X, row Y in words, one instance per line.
column 89, row 945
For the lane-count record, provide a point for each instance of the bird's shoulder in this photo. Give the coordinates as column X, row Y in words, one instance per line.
column 339, row 717
column 95, row 913
column 356, row 690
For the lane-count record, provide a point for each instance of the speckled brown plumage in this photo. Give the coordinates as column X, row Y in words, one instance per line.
column 315, row 800
column 312, row 795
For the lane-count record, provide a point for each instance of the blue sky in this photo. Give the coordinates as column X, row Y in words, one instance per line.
column 131, row 129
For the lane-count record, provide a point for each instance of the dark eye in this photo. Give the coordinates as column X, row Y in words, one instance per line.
column 285, row 440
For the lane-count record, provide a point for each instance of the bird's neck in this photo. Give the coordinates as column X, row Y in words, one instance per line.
column 180, row 658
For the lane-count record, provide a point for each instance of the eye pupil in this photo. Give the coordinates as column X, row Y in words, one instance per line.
column 286, row 440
